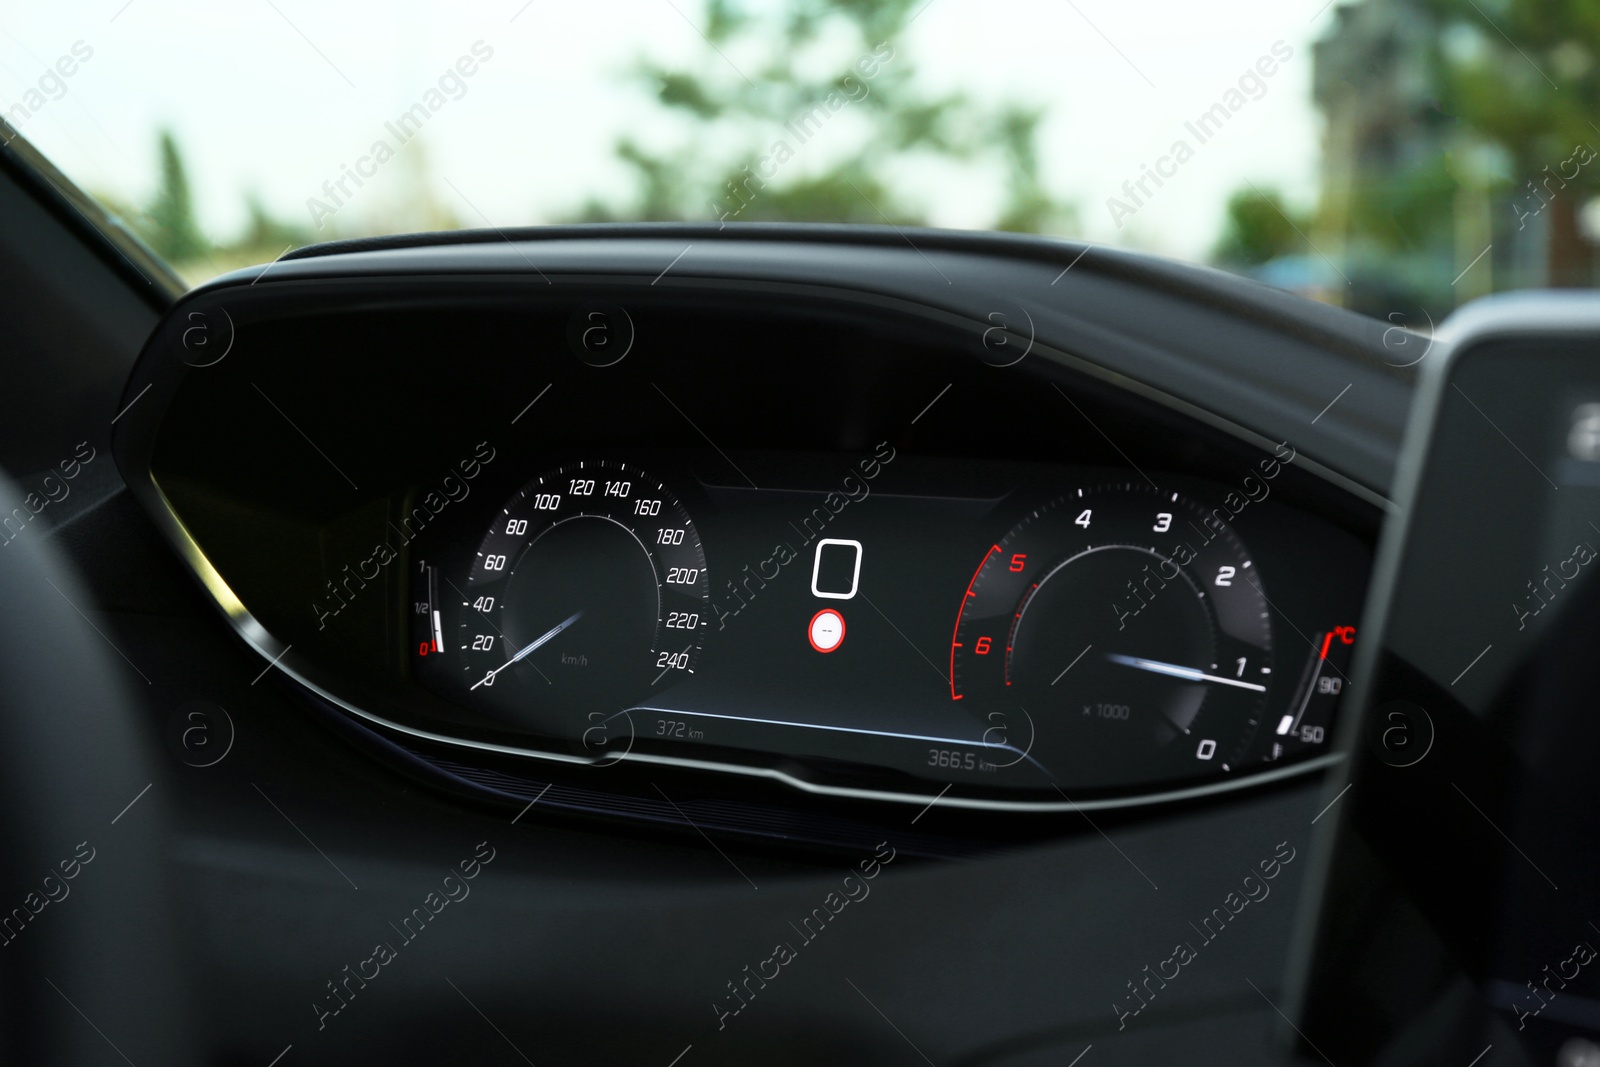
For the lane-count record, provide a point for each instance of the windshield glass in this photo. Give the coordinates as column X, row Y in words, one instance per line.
column 1393, row 156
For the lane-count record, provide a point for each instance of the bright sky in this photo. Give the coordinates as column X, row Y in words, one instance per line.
column 276, row 96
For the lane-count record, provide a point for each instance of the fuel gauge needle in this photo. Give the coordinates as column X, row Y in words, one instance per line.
column 532, row 645
column 1188, row 674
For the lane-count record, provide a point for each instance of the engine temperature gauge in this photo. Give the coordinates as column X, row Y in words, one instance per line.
column 1303, row 726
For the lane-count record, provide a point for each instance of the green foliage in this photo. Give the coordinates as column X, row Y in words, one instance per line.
column 764, row 68
column 169, row 226
column 1525, row 74
column 1406, row 209
column 1029, row 206
column 264, row 231
column 1494, row 96
column 172, row 229
column 1258, row 228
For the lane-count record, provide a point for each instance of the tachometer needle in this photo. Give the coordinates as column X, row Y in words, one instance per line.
column 531, row 646
column 1188, row 674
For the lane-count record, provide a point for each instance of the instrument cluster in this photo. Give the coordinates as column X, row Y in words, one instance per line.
column 1002, row 634
column 752, row 539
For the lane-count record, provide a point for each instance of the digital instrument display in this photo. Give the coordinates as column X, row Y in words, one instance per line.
column 589, row 589
column 770, row 541
column 1008, row 631
column 1188, row 631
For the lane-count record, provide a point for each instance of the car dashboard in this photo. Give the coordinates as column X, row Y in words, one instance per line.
column 695, row 583
column 810, row 555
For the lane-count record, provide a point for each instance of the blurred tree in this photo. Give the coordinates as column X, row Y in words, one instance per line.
column 1258, row 229
column 1523, row 74
column 771, row 78
column 169, row 224
column 263, row 231
column 1029, row 207
column 1456, row 157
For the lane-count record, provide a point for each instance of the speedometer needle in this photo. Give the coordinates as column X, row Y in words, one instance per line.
column 1188, row 674
column 532, row 645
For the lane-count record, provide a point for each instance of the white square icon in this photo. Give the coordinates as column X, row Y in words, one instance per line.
column 834, row 547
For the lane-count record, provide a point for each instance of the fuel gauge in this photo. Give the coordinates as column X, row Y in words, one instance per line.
column 427, row 631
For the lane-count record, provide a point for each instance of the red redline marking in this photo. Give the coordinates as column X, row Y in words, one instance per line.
column 954, row 644
column 1017, row 618
column 1327, row 639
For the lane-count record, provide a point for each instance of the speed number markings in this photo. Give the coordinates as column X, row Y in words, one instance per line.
column 589, row 592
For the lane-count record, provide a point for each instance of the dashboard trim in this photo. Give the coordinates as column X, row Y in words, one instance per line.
column 1062, row 357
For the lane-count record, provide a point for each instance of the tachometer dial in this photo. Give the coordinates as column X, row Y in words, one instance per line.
column 589, row 592
column 1131, row 626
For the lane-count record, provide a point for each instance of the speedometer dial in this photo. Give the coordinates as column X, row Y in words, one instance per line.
column 1129, row 626
column 588, row 593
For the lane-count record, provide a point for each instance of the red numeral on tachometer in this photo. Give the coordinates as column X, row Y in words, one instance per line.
column 1018, row 561
column 982, row 647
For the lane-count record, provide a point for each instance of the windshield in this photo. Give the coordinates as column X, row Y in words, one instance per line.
column 1393, row 156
